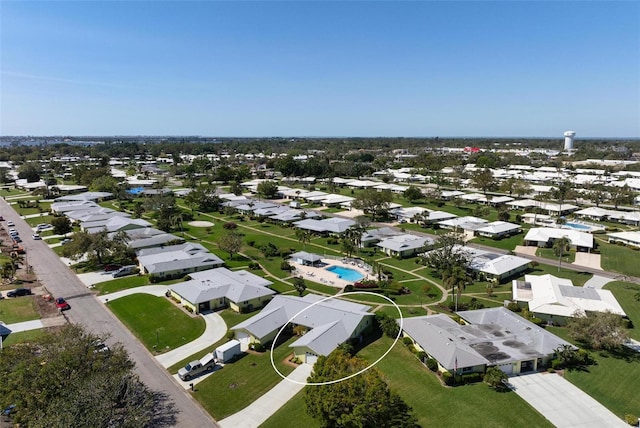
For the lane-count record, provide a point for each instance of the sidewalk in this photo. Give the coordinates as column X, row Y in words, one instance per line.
column 262, row 409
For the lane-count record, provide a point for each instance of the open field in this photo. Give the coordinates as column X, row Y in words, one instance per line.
column 616, row 258
column 13, row 310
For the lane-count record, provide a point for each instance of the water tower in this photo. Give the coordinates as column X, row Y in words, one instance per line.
column 568, row 140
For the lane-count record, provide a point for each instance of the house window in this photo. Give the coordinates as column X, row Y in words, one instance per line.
column 466, row 369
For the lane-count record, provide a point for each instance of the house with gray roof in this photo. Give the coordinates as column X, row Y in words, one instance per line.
column 102, row 214
column 405, row 245
column 373, row 236
column 114, row 224
column 176, row 261
column 332, row 225
column 63, row 207
column 208, row 290
column 86, row 196
column 490, row 337
column 498, row 229
column 328, row 324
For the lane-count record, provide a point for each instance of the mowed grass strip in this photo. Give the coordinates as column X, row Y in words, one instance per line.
column 156, row 321
column 617, row 258
column 628, row 296
column 121, row 284
column 435, row 405
column 242, row 382
column 18, row 309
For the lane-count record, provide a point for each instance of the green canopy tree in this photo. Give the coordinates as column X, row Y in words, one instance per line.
column 58, row 380
column 361, row 401
column 373, row 202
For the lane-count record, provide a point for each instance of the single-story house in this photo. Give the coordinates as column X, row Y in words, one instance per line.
column 64, row 207
column 176, row 260
column 465, row 223
column 373, row 236
column 497, row 267
column 627, row 238
column 218, row 288
column 103, row 214
column 114, row 224
column 405, row 245
column 332, row 225
column 491, row 337
column 328, row 323
column 546, row 236
column 86, row 196
column 498, row 229
column 554, row 299
column 550, row 208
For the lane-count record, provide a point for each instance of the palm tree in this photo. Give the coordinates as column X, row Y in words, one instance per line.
column 560, row 246
column 304, row 237
column 457, row 279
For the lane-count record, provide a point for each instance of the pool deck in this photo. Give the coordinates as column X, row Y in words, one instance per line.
column 322, row 276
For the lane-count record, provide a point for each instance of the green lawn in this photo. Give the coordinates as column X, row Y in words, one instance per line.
column 509, row 243
column 578, row 278
column 548, row 253
column 617, row 258
column 627, row 295
column 156, row 321
column 122, row 284
column 18, row 309
column 613, row 380
column 24, row 336
column 433, row 404
column 240, row 383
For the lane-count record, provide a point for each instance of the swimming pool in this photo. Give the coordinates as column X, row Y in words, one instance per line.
column 346, row 273
column 578, row 226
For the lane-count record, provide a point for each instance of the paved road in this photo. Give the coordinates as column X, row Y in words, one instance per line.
column 88, row 311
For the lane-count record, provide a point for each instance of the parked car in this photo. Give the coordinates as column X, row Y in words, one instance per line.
column 19, row 292
column 1, row 296
column 16, row 239
column 10, row 224
column 36, row 236
column 62, row 304
column 100, row 346
column 65, row 241
column 111, row 267
column 197, row 367
column 42, row 226
column 124, row 271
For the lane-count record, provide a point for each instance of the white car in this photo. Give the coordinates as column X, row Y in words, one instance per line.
column 10, row 224
column 36, row 236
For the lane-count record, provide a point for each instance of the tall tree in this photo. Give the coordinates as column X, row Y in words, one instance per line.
column 483, row 179
column 230, row 242
column 373, row 202
column 560, row 247
column 413, row 193
column 361, row 401
column 268, row 189
column 59, row 381
column 598, row 330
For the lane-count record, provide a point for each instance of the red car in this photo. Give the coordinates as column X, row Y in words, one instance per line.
column 111, row 267
column 62, row 304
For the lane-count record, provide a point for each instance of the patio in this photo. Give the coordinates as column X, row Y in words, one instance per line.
column 320, row 274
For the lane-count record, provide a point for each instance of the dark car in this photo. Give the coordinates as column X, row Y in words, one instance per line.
column 111, row 267
column 62, row 304
column 17, row 239
column 19, row 292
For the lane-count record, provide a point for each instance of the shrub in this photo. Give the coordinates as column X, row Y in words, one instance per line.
column 254, row 266
column 432, row 364
column 285, row 266
column 270, row 250
column 230, row 225
column 631, row 419
column 448, row 378
column 153, row 279
column 421, row 355
column 251, row 242
column 471, row 378
column 550, row 370
column 536, row 321
column 513, row 307
column 332, row 241
column 407, row 341
column 230, row 334
column 556, row 364
column 348, row 288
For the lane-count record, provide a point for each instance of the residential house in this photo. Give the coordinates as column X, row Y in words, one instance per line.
column 212, row 289
column 114, row 224
column 554, row 299
column 405, row 245
column 327, row 226
column 176, row 260
column 490, row 337
column 498, row 229
column 628, row 238
column 546, row 236
column 329, row 323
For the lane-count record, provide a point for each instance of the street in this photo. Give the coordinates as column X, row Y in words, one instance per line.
column 87, row 310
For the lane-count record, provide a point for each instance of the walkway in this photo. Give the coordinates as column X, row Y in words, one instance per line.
column 36, row 324
column 156, row 290
column 587, row 260
column 562, row 403
column 215, row 329
column 262, row 409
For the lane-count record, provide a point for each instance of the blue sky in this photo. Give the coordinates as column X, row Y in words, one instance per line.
column 303, row 68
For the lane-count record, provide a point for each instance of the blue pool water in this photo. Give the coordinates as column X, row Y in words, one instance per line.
column 135, row 190
column 578, row 226
column 346, row 273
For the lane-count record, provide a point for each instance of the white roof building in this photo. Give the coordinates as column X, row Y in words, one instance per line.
column 543, row 235
column 550, row 295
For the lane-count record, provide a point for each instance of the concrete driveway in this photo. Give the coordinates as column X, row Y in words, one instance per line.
column 260, row 410
column 562, row 403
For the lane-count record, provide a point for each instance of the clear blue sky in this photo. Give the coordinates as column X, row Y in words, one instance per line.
column 301, row 68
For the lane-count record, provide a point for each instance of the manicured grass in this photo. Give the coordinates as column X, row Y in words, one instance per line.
column 156, row 321
column 294, row 410
column 240, row 383
column 617, row 258
column 230, row 318
column 627, row 295
column 122, row 284
column 613, row 380
column 433, row 404
column 509, row 243
column 24, row 337
column 407, row 312
column 321, row 288
column 18, row 309
column 547, row 253
column 578, row 278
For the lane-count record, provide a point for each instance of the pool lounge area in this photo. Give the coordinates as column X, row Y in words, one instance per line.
column 345, row 273
column 328, row 271
column 582, row 227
